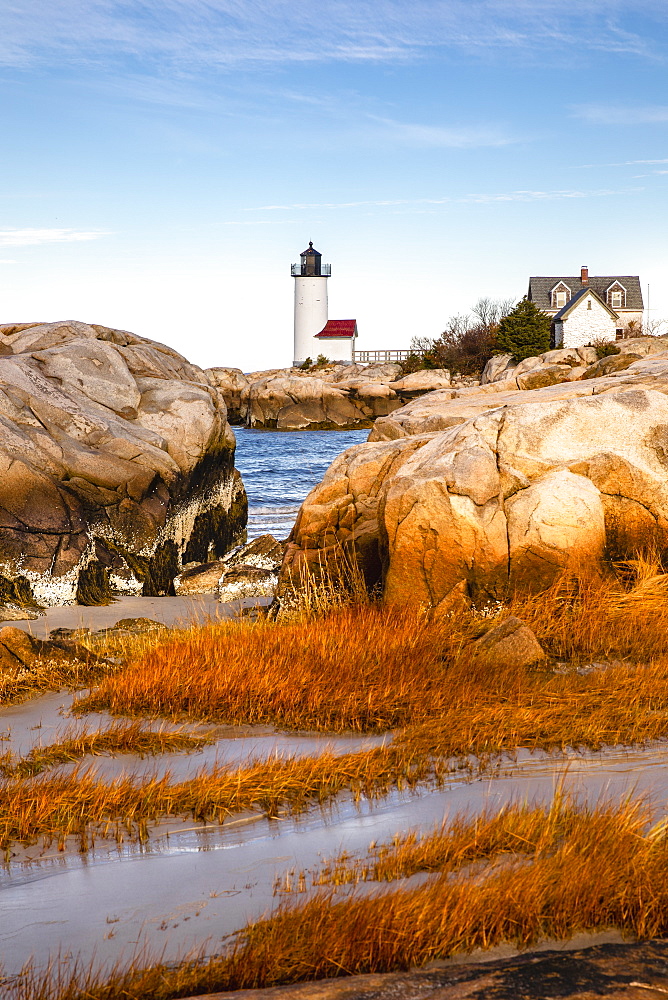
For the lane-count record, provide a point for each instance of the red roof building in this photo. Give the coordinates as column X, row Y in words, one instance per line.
column 338, row 328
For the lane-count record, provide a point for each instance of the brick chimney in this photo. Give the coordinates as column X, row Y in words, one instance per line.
column 584, row 275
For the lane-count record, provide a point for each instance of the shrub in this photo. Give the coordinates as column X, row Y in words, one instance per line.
column 524, row 332
column 604, row 348
column 466, row 344
column 321, row 360
column 306, row 364
column 462, row 348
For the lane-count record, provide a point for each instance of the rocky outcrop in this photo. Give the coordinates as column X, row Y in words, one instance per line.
column 348, row 396
column 517, row 486
column 569, row 363
column 234, row 386
column 251, row 570
column 116, row 464
column 327, row 397
column 445, row 408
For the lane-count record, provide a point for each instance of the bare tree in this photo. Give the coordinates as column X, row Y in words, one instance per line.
column 490, row 312
column 655, row 328
column 466, row 344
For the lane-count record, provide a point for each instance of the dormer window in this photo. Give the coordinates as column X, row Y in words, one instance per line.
column 560, row 295
column 617, row 296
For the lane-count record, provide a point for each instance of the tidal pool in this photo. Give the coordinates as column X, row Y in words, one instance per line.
column 193, row 885
column 43, row 720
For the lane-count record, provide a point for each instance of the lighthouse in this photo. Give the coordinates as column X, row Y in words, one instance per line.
column 314, row 333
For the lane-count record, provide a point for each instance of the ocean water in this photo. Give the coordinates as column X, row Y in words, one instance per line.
column 279, row 469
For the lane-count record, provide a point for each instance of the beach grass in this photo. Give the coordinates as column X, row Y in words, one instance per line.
column 370, row 668
column 122, row 737
column 518, row 877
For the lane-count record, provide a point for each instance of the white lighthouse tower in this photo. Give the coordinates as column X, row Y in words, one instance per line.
column 310, row 302
column 314, row 333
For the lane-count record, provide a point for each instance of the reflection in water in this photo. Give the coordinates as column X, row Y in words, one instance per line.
column 196, row 884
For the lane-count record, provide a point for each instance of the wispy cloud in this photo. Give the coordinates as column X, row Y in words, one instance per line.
column 228, row 33
column 624, row 163
column 452, row 137
column 474, row 198
column 619, row 114
column 37, row 237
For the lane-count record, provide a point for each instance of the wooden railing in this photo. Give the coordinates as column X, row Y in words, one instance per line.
column 365, row 357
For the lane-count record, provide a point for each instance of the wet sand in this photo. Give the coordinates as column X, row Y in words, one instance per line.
column 173, row 611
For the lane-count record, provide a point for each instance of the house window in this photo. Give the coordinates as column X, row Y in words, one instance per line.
column 588, row 303
column 560, row 299
column 616, row 300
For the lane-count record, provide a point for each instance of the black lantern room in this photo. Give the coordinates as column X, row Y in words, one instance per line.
column 311, row 262
column 311, row 265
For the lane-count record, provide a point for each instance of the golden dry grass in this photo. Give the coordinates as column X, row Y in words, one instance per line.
column 518, row 877
column 125, row 737
column 54, row 807
column 50, row 675
column 365, row 668
column 370, row 668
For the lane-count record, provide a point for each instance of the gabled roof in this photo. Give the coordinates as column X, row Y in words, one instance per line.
column 540, row 288
column 338, row 328
column 579, row 297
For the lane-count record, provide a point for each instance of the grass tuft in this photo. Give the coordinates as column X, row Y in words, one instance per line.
column 125, row 737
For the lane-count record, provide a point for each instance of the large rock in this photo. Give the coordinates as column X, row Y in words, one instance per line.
column 511, row 645
column 447, row 407
column 339, row 518
column 264, row 555
column 496, row 368
column 116, row 464
column 202, row 578
column 611, row 363
column 234, row 386
column 293, row 402
column 247, row 581
column 506, row 497
column 420, row 382
column 252, row 571
column 543, row 375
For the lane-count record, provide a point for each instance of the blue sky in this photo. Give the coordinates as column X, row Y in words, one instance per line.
column 164, row 162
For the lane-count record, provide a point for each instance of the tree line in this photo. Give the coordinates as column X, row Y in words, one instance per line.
column 494, row 326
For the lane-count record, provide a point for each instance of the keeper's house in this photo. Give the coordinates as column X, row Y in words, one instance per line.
column 584, row 308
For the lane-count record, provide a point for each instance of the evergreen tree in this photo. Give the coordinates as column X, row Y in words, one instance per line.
column 524, row 332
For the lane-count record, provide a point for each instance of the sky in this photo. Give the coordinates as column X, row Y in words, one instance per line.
column 164, row 162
